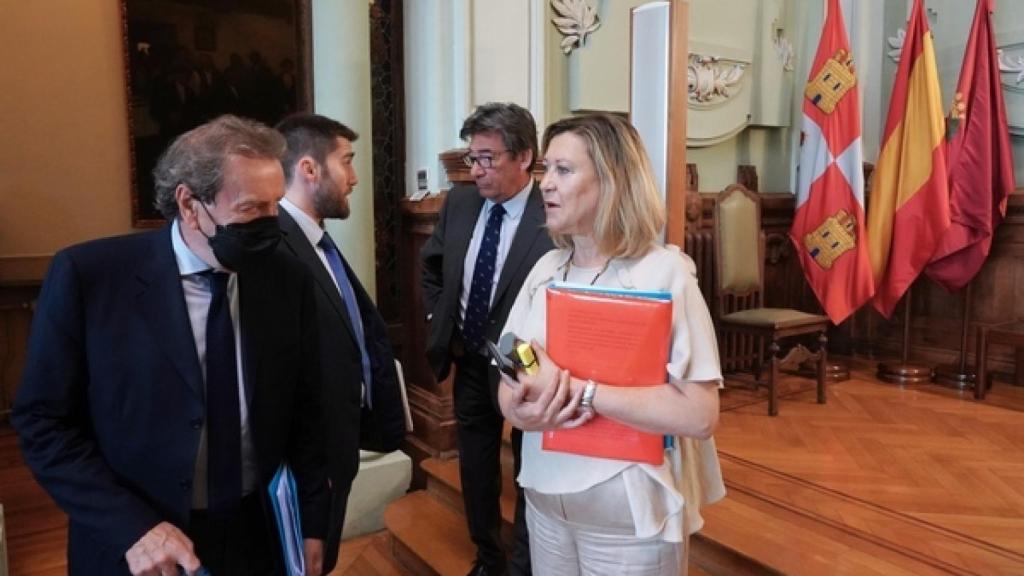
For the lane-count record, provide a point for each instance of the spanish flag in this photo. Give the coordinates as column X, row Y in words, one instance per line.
column 828, row 227
column 908, row 210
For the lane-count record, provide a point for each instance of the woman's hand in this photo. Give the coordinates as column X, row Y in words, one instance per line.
column 543, row 401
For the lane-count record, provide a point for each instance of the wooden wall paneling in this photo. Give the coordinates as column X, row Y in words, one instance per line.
column 997, row 295
column 430, row 401
column 676, row 181
column 16, row 306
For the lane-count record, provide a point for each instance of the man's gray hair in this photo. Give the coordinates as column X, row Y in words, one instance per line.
column 196, row 158
column 514, row 123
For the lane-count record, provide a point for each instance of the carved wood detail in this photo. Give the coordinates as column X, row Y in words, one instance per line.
column 430, row 401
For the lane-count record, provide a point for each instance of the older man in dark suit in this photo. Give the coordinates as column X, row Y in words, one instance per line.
column 487, row 239
column 362, row 401
column 171, row 373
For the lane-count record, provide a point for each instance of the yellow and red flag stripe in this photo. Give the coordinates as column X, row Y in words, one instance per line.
column 908, row 210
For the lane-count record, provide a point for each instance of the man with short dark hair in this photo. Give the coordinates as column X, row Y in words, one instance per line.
column 361, row 399
column 170, row 374
column 486, row 240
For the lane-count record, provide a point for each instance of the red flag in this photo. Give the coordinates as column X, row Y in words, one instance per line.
column 909, row 210
column 828, row 227
column 980, row 160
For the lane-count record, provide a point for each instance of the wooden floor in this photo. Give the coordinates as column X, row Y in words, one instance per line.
column 880, row 480
column 915, row 479
column 37, row 529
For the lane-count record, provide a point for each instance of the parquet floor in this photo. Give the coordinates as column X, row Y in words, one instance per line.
column 912, row 480
column 37, row 529
column 922, row 470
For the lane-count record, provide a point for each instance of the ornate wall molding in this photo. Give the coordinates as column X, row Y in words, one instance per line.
column 712, row 81
column 896, row 44
column 575, row 20
column 1012, row 63
column 784, row 50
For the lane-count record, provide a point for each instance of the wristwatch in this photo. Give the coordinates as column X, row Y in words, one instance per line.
column 587, row 402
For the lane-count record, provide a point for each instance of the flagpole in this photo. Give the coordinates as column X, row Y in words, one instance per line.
column 904, row 372
column 959, row 375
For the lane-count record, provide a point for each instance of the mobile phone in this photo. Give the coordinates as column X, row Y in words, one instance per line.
column 504, row 364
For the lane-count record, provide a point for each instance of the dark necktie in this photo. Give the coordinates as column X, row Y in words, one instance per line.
column 223, row 414
column 348, row 295
column 478, row 306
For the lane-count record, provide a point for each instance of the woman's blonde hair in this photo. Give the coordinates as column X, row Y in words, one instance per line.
column 630, row 213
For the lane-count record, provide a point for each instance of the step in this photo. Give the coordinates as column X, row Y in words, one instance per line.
column 781, row 541
column 443, row 482
column 428, row 537
column 855, row 529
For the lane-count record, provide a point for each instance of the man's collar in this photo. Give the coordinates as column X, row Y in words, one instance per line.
column 311, row 229
column 188, row 261
column 515, row 205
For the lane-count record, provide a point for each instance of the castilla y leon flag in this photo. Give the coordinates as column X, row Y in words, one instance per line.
column 980, row 160
column 828, row 228
column 908, row 212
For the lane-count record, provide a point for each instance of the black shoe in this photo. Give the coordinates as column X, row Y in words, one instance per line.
column 480, row 569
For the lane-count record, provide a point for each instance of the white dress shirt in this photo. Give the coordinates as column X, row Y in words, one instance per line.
column 314, row 233
column 197, row 298
column 514, row 208
column 693, row 357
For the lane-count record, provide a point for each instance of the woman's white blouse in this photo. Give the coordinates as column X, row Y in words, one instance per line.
column 693, row 358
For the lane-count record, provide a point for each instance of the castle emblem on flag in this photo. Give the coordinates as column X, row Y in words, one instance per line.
column 957, row 112
column 833, row 238
column 832, row 82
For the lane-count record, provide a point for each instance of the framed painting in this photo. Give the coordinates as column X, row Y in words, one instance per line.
column 189, row 61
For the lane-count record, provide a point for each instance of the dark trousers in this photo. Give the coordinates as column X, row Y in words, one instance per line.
column 236, row 543
column 479, row 433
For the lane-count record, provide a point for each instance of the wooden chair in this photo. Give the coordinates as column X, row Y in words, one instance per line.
column 744, row 324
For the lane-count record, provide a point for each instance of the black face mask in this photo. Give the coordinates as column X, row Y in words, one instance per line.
column 243, row 245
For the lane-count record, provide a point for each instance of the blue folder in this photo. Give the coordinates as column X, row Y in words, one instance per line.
column 285, row 501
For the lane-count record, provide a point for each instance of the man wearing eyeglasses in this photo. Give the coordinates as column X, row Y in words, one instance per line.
column 486, row 240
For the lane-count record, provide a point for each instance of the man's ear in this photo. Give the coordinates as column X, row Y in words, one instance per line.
column 187, row 209
column 307, row 169
column 526, row 160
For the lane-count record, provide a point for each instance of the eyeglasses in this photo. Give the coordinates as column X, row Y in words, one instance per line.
column 485, row 161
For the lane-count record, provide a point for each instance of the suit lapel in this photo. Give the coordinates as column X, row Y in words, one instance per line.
column 299, row 245
column 464, row 223
column 161, row 302
column 530, row 227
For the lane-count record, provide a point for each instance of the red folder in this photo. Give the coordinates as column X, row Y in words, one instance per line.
column 615, row 337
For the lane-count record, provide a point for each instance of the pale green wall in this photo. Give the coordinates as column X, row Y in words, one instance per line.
column 440, row 91
column 341, row 73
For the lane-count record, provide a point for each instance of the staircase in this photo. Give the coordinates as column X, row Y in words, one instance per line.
column 752, row 532
column 428, row 529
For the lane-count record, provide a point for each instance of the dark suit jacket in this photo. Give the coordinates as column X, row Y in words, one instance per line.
column 443, row 256
column 111, row 403
column 349, row 428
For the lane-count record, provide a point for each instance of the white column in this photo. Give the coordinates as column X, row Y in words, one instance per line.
column 434, row 39
column 341, row 80
column 867, row 42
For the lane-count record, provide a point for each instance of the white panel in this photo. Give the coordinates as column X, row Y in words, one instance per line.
column 538, row 61
column 501, row 52
column 649, row 83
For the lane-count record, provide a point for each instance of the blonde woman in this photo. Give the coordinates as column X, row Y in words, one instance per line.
column 593, row 515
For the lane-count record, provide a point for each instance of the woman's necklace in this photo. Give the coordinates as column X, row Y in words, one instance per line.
column 568, row 265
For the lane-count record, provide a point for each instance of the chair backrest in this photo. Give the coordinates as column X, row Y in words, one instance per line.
column 739, row 250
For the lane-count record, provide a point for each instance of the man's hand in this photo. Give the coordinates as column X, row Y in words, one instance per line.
column 160, row 551
column 314, row 551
